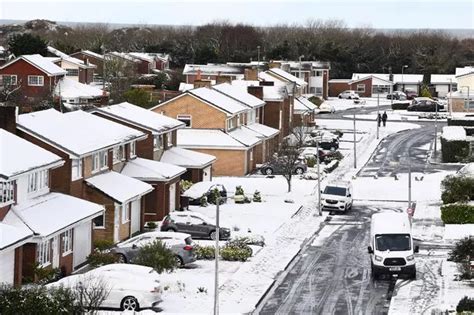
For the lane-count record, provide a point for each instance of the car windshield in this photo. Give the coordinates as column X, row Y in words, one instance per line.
column 332, row 190
column 392, row 242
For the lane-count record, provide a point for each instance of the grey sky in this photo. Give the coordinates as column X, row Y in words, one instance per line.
column 374, row 13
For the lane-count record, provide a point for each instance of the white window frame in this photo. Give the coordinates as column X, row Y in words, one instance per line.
column 38, row 181
column 133, row 149
column 71, row 72
column 360, row 88
column 184, row 118
column 66, row 242
column 230, row 124
column 318, row 73
column 76, row 169
column 43, row 253
column 103, row 222
column 7, row 193
column 126, row 212
column 40, row 80
column 158, row 143
column 99, row 161
column 118, row 154
column 251, row 155
column 169, row 140
column 10, row 76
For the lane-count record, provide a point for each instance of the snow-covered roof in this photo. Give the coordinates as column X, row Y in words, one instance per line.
column 463, row 70
column 119, row 187
column 208, row 138
column 150, row 170
column 41, row 63
column 219, row 100
column 270, row 93
column 212, row 69
column 138, row 116
column 183, row 87
column 466, row 74
column 142, row 56
column 443, row 78
column 246, row 136
column 18, row 156
column 339, row 80
column 454, row 133
column 77, row 133
column 51, row 213
column 303, row 104
column 93, row 54
column 123, row 56
column 376, row 79
column 397, row 78
column 187, row 158
column 11, row 235
column 239, row 93
column 287, row 76
column 264, row 130
column 68, row 88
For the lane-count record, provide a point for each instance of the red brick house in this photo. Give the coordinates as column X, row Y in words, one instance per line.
column 212, row 72
column 53, row 230
column 94, row 150
column 370, row 86
column 90, row 57
column 337, row 86
column 36, row 75
column 78, row 70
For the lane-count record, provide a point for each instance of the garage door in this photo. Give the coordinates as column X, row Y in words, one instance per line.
column 135, row 216
column 7, row 266
column 82, row 243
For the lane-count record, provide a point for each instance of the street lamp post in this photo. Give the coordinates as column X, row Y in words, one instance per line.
column 436, row 130
column 355, row 155
column 319, row 179
column 403, row 82
column 378, row 112
column 258, row 59
column 216, row 253
column 409, row 179
column 450, row 103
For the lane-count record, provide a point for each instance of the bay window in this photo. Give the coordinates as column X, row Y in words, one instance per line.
column 99, row 161
column 38, row 181
column 43, row 253
column 66, row 242
column 76, row 169
column 118, row 154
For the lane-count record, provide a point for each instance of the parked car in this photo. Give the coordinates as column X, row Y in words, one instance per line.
column 277, row 166
column 194, row 223
column 130, row 287
column 323, row 133
column 424, row 104
column 181, row 244
column 411, row 94
column 325, row 108
column 466, row 170
column 310, row 152
column 200, row 189
column 397, row 95
column 337, row 196
column 326, row 143
column 349, row 94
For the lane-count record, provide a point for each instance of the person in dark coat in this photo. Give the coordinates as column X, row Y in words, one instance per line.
column 379, row 119
column 384, row 118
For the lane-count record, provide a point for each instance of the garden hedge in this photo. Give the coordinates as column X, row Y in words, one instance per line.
column 461, row 122
column 457, row 214
column 400, row 106
column 454, row 151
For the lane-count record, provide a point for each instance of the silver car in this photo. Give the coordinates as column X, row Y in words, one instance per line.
column 181, row 244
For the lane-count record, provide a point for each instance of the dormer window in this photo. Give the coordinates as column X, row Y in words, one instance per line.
column 38, row 181
column 7, row 193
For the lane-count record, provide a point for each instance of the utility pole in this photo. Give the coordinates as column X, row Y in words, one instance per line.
column 450, row 103
column 319, row 179
column 378, row 112
column 355, row 145
column 436, row 129
column 216, row 253
column 409, row 179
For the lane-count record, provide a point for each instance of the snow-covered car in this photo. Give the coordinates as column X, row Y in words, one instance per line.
column 181, row 244
column 194, row 223
column 129, row 287
column 397, row 95
column 349, row 94
column 278, row 167
column 323, row 133
column 200, row 189
column 337, row 196
column 326, row 143
column 466, row 170
column 326, row 108
column 311, row 153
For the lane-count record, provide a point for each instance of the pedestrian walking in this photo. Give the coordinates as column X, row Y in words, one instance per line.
column 379, row 119
column 384, row 118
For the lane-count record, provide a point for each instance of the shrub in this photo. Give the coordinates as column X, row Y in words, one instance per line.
column 457, row 214
column 205, row 252
column 247, row 199
column 400, row 105
column 315, row 100
column 457, row 189
column 311, row 162
column 257, row 197
column 466, row 304
column 151, row 225
column 454, row 151
column 239, row 190
column 185, row 185
column 465, row 271
column 203, row 201
column 103, row 244
column 257, row 240
column 462, row 250
column 157, row 256
column 425, row 92
column 213, row 196
column 338, row 133
column 138, row 97
column 236, row 250
column 334, row 156
column 100, row 258
column 46, row 275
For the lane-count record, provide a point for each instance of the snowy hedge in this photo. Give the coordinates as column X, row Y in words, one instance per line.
column 399, row 105
column 454, row 151
column 457, row 214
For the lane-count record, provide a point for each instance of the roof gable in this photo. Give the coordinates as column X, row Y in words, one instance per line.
column 39, row 62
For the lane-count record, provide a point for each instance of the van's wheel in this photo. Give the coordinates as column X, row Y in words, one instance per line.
column 170, row 230
column 129, row 303
column 299, row 170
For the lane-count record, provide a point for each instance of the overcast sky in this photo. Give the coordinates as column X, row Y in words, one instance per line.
column 355, row 13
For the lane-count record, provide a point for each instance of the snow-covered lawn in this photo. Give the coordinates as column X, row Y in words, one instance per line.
column 397, row 115
column 344, row 104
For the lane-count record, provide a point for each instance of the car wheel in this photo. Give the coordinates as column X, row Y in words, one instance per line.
column 299, row 170
column 171, row 230
column 129, row 303
column 121, row 259
column 179, row 261
column 340, row 96
column 268, row 171
column 213, row 235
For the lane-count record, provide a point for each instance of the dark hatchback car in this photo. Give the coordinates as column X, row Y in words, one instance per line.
column 279, row 167
column 325, row 143
column 424, row 105
column 196, row 224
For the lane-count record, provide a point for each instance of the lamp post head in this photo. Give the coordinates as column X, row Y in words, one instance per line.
column 405, row 66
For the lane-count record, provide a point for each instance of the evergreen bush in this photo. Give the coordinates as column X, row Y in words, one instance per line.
column 462, row 250
column 157, row 256
column 257, row 196
column 457, row 214
column 466, row 304
column 205, row 252
column 454, row 151
column 457, row 189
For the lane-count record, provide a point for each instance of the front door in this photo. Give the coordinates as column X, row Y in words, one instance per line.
column 116, row 222
column 55, row 246
column 172, row 197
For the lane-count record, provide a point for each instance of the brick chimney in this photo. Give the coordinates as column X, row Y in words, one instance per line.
column 8, row 118
column 202, row 83
column 250, row 74
column 274, row 65
column 221, row 79
column 256, row 91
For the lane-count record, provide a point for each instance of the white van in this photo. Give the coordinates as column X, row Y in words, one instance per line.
column 391, row 245
column 337, row 196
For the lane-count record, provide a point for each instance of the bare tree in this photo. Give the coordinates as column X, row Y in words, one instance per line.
column 120, row 74
column 90, row 292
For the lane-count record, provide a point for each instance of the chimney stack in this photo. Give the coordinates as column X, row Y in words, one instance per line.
column 256, row 91
column 250, row 74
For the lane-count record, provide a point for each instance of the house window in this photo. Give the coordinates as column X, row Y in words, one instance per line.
column 319, row 91
column 76, row 169
column 380, row 89
column 99, row 161
column 38, row 181
column 8, row 79
column 169, row 140
column 67, row 242
column 72, row 72
column 318, row 73
column 158, row 142
column 35, row 80
column 360, row 88
column 99, row 222
column 133, row 149
column 126, row 212
column 280, row 122
column 251, row 155
column 186, row 119
column 43, row 253
column 7, row 192
column 230, row 124
column 118, row 154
